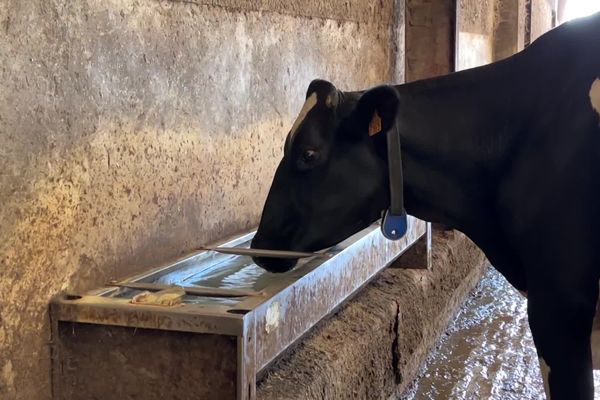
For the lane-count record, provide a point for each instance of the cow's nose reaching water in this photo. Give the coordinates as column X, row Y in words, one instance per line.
column 276, row 265
column 271, row 264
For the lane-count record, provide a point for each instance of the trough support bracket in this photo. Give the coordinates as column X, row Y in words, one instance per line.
column 246, row 363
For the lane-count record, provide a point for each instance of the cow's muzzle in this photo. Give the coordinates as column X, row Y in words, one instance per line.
column 276, row 265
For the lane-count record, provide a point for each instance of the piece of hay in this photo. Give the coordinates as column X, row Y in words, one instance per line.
column 165, row 298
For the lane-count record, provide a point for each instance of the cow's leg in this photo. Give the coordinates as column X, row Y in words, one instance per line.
column 561, row 317
column 595, row 339
column 545, row 371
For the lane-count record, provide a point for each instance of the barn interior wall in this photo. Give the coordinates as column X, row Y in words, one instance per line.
column 429, row 38
column 542, row 17
column 132, row 131
column 475, row 33
column 508, row 34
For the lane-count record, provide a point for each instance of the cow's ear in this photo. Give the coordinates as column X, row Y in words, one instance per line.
column 327, row 93
column 376, row 110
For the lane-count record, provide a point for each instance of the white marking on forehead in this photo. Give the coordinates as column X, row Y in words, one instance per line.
column 308, row 105
column 595, row 95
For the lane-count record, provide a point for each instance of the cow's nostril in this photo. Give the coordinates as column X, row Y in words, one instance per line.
column 275, row 265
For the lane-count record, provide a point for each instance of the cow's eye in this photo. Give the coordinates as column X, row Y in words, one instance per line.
column 310, row 156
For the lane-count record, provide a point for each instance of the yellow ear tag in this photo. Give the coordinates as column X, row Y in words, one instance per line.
column 375, row 124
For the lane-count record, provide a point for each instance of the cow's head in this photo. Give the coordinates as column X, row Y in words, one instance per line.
column 333, row 179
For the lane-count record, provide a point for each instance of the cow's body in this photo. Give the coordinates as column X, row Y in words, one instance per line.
column 508, row 153
column 520, row 174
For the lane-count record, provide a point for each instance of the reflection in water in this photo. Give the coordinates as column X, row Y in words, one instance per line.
column 211, row 269
column 487, row 352
column 224, row 271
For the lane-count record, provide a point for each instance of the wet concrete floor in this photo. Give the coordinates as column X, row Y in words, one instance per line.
column 487, row 352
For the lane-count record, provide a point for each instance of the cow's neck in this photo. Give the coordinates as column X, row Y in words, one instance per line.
column 459, row 132
column 456, row 133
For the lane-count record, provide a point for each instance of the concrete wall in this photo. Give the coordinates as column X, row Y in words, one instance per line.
column 542, row 18
column 447, row 35
column 490, row 30
column 429, row 38
column 475, row 39
column 508, row 28
column 132, row 131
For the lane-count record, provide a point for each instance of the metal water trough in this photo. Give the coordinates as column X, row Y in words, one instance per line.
column 229, row 320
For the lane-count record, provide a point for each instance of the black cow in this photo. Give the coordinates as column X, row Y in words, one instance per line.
column 508, row 153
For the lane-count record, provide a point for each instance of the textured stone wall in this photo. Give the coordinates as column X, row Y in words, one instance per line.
column 541, row 17
column 429, row 38
column 447, row 35
column 475, row 40
column 132, row 131
column 507, row 38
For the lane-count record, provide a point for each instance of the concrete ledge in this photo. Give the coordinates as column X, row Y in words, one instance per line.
column 373, row 347
column 339, row 10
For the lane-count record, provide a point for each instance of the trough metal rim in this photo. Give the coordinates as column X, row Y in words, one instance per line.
column 94, row 307
column 196, row 255
column 264, row 326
